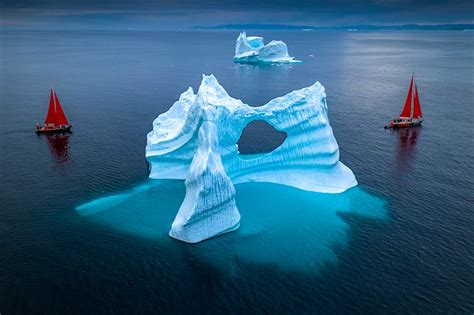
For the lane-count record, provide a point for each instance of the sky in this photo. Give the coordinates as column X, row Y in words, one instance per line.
column 183, row 14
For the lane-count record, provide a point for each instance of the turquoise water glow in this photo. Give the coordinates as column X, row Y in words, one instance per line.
column 281, row 226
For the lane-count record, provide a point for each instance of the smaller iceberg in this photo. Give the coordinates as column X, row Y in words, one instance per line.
column 253, row 50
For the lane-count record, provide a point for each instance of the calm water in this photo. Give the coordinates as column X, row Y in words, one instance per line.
column 82, row 230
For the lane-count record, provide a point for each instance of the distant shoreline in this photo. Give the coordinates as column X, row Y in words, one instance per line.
column 361, row 27
column 271, row 27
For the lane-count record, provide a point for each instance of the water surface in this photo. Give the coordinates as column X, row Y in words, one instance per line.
column 400, row 242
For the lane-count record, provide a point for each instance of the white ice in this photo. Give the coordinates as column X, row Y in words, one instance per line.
column 252, row 50
column 196, row 140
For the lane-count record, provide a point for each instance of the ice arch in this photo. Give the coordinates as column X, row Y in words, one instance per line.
column 196, row 140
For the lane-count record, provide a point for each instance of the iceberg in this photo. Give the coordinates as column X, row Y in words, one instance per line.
column 209, row 206
column 196, row 141
column 253, row 50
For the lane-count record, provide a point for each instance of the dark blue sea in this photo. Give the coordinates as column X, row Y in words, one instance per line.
column 84, row 231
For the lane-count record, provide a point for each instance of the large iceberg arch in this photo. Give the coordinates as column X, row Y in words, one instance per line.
column 196, row 140
column 252, row 50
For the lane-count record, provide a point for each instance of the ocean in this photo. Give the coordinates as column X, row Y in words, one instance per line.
column 83, row 229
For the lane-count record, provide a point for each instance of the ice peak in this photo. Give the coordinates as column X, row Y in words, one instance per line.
column 211, row 92
column 189, row 93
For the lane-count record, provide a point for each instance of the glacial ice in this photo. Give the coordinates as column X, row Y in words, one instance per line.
column 252, row 50
column 209, row 206
column 196, row 140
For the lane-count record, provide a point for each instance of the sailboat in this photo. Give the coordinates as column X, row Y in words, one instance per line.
column 411, row 115
column 55, row 120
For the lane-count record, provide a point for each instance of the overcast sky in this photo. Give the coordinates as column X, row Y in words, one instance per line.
column 179, row 14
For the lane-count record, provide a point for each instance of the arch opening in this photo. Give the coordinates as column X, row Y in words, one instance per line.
column 260, row 137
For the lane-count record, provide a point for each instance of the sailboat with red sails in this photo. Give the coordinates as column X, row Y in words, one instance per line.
column 411, row 114
column 56, row 120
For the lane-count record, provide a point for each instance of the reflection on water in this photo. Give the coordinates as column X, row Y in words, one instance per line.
column 406, row 149
column 281, row 226
column 59, row 147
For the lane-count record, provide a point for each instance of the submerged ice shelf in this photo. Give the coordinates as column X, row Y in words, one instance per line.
column 196, row 140
column 252, row 50
column 289, row 228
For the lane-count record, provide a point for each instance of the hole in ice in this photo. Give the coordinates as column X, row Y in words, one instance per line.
column 260, row 137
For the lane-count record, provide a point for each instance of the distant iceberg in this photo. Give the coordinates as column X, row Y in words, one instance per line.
column 253, row 50
column 196, row 140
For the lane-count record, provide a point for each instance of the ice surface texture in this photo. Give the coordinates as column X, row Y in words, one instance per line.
column 252, row 50
column 196, row 140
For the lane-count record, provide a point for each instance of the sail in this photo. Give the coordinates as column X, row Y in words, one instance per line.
column 407, row 108
column 51, row 115
column 416, row 107
column 60, row 116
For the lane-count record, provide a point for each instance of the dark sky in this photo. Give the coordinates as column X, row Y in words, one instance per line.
column 175, row 14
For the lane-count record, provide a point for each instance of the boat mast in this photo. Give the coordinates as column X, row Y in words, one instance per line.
column 416, row 105
column 54, row 98
column 51, row 115
column 412, row 101
column 61, row 118
column 407, row 108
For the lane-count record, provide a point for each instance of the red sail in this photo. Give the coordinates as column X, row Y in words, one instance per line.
column 51, row 115
column 61, row 119
column 407, row 108
column 417, row 108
